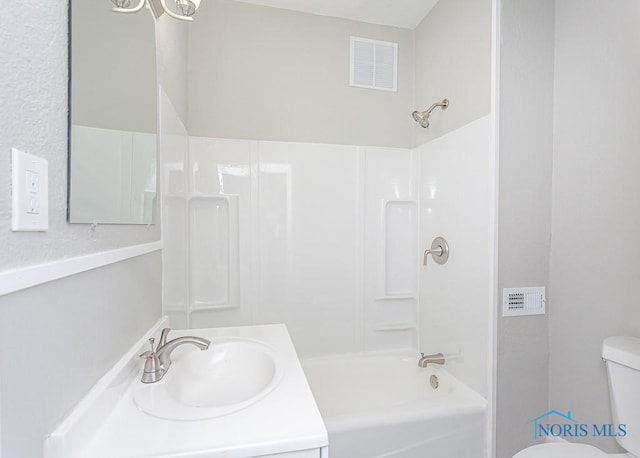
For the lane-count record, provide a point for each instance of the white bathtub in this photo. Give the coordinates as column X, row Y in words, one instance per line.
column 384, row 406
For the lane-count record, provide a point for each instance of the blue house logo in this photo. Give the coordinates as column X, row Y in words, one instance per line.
column 558, row 424
column 541, row 426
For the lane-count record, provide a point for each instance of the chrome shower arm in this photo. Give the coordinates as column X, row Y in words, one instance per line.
column 444, row 104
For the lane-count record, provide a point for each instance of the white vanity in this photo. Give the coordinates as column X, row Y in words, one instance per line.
column 245, row 396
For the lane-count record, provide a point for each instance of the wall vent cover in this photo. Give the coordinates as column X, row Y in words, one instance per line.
column 523, row 301
column 374, row 64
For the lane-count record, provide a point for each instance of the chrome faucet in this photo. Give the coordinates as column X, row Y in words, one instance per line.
column 437, row 358
column 157, row 362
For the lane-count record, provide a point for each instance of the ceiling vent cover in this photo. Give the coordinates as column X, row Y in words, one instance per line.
column 374, row 64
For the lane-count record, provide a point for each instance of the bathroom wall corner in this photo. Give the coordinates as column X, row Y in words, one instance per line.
column 454, row 31
column 524, row 214
column 171, row 42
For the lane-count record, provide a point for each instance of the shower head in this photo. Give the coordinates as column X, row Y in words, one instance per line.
column 422, row 117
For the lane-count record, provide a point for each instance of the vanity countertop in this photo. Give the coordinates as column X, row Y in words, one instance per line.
column 285, row 420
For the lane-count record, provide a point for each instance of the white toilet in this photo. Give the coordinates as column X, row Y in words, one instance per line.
column 622, row 356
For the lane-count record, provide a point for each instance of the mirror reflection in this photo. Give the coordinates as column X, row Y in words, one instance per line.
column 113, row 121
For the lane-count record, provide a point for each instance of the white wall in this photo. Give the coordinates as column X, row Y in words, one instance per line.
column 524, row 226
column 595, row 194
column 262, row 73
column 321, row 237
column 457, row 198
column 453, row 61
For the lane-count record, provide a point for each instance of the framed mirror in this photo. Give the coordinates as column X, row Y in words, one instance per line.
column 113, row 115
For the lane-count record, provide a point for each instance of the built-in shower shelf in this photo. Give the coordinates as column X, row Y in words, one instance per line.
column 399, row 239
column 395, row 297
column 393, row 327
column 189, row 197
column 399, row 201
column 202, row 306
column 209, row 197
column 214, row 252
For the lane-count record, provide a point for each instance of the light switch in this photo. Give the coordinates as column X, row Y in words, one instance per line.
column 29, row 192
column 33, row 181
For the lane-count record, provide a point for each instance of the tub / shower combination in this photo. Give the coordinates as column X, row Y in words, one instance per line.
column 379, row 406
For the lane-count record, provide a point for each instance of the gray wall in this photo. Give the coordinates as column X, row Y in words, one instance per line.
column 596, row 194
column 453, row 60
column 81, row 323
column 590, row 49
column 270, row 74
column 524, row 222
column 58, row 339
column 262, row 73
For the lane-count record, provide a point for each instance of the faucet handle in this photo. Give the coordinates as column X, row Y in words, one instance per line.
column 439, row 251
column 153, row 370
column 149, row 352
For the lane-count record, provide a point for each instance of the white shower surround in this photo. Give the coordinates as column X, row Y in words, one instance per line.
column 457, row 201
column 329, row 238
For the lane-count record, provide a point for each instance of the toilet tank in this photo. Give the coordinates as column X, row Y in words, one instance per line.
column 622, row 356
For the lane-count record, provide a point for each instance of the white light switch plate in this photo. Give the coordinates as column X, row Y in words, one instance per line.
column 29, row 192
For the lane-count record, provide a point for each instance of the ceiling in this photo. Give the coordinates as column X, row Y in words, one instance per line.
column 399, row 13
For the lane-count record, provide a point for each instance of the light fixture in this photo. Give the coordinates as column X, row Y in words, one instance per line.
column 185, row 8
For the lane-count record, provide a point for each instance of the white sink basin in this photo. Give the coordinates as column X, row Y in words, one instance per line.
column 227, row 373
column 232, row 374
